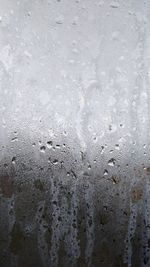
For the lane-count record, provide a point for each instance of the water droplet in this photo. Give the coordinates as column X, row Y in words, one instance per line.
column 59, row 20
column 62, row 163
column 14, row 139
column 114, row 4
column 49, row 144
column 102, row 149
column 64, row 133
column 89, row 167
column 13, row 160
column 117, row 147
column 112, row 162
column 55, row 161
column 42, row 149
column 110, row 127
column 105, row 172
column 95, row 139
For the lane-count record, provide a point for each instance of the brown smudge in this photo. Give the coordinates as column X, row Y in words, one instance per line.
column 6, row 184
column 137, row 193
column 115, row 179
column 148, row 170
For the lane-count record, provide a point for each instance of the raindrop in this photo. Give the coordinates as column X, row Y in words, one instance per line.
column 105, row 172
column 59, row 20
column 95, row 139
column 102, row 149
column 61, row 163
column 55, row 161
column 110, row 127
column 49, row 144
column 65, row 133
column 89, row 167
column 112, row 162
column 42, row 149
column 13, row 160
column 14, row 139
column 114, row 4
column 117, row 147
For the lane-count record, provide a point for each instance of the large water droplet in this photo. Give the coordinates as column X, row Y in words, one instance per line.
column 111, row 162
column 105, row 172
column 13, row 160
column 55, row 161
column 42, row 149
column 117, row 147
column 49, row 144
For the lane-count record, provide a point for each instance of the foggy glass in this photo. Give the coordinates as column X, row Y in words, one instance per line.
column 75, row 133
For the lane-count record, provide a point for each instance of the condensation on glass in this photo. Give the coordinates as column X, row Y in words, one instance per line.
column 75, row 133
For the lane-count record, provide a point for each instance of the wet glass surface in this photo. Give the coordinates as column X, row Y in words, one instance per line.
column 75, row 133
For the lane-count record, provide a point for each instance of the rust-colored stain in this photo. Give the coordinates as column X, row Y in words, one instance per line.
column 6, row 185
